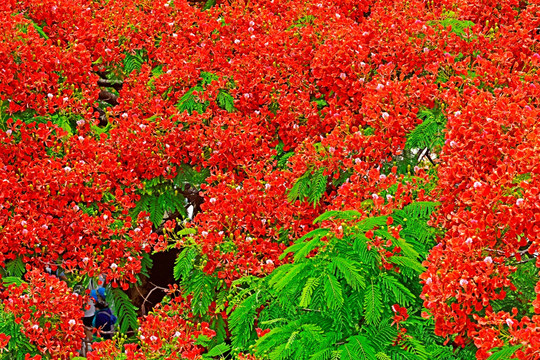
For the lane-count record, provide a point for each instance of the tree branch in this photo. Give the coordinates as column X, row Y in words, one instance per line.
column 145, row 298
column 108, row 97
column 103, row 121
column 115, row 84
column 192, row 194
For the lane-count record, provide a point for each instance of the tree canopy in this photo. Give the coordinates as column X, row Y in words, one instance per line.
column 337, row 179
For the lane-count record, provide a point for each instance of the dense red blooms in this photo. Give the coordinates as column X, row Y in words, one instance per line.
column 48, row 312
column 334, row 86
column 169, row 323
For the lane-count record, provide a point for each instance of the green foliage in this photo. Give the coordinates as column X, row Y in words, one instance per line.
column 14, row 268
column 67, row 122
column 209, row 4
column 194, row 281
column 310, row 187
column 242, row 320
column 39, row 30
column 123, row 309
column 458, row 26
column 282, row 156
column 303, row 22
column 334, row 301
column 163, row 196
column 357, row 348
column 525, row 279
column 19, row 345
column 424, row 141
column 188, row 102
column 217, row 350
column 184, row 263
column 188, row 175
column 372, row 304
column 146, row 265
column 225, row 101
column 191, row 103
column 505, row 353
column 429, row 134
column 133, row 62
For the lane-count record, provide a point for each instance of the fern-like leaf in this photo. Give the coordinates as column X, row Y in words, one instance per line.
column 373, row 304
column 123, row 308
column 401, row 293
column 403, row 261
column 225, row 101
column 15, row 268
column 307, row 291
column 156, row 210
column 241, row 322
column 184, row 263
column 505, row 353
column 344, row 215
column 317, row 186
column 333, row 292
column 133, row 62
column 358, row 348
column 349, row 270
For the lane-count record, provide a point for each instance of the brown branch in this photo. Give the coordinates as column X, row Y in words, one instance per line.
column 192, row 194
column 429, row 158
column 145, row 298
column 525, row 261
column 102, row 74
column 115, row 84
column 103, row 121
column 108, row 97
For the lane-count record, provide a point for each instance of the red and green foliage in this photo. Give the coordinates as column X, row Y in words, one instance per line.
column 341, row 179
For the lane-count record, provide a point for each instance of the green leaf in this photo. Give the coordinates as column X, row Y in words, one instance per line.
column 301, row 250
column 123, row 308
column 207, row 77
column 133, row 62
column 217, row 350
column 291, row 272
column 429, row 133
column 225, row 101
column 10, row 280
column 298, row 191
column 15, row 268
column 373, row 304
column 401, row 293
column 350, row 272
column 406, row 249
column 156, row 211
column 242, row 320
column 408, row 263
column 307, row 291
column 505, row 353
column 202, row 287
column 358, row 348
column 458, row 26
column 317, row 186
column 317, row 233
column 39, row 30
column 209, row 4
column 184, row 263
column 345, row 215
column 63, row 122
column 370, row 223
column 333, row 292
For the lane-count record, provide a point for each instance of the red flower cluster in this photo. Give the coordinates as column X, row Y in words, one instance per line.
column 261, row 94
column 49, row 312
column 166, row 333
